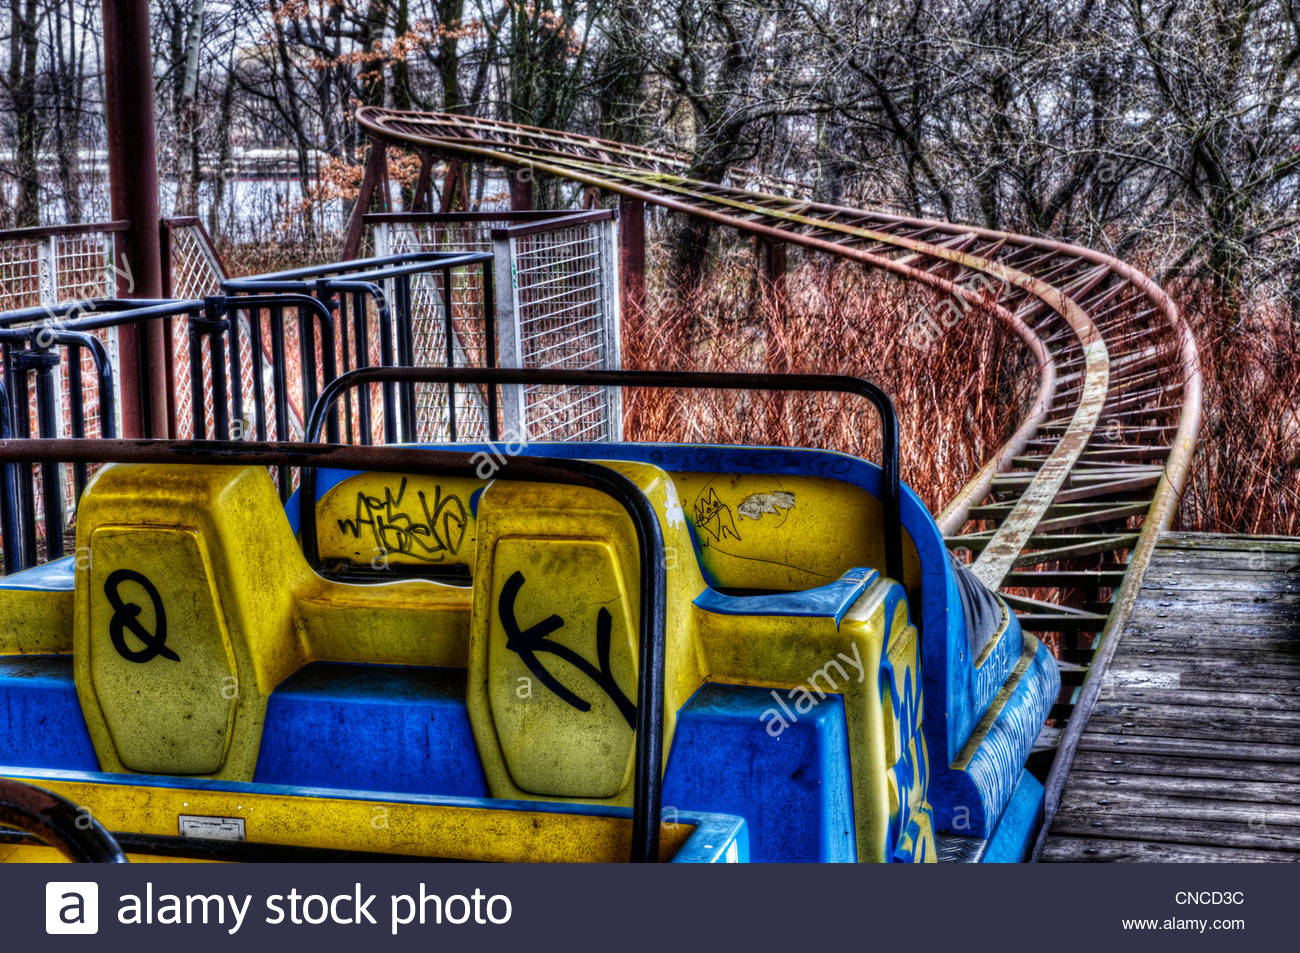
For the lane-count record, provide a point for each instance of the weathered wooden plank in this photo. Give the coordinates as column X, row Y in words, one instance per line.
column 1175, row 676
column 1190, row 747
column 1258, row 557
column 1118, row 761
column 1225, row 588
column 1192, row 750
column 1229, row 577
column 1196, row 615
column 1163, row 808
column 1108, row 850
column 1196, row 715
column 1234, row 632
column 1210, row 726
column 1209, row 833
column 1173, row 542
column 1208, row 619
column 1223, row 671
column 1229, row 654
column 1278, row 793
column 1144, row 654
column 1114, row 690
column 1225, row 632
column 1231, row 633
column 1208, row 678
column 1194, row 598
column 1242, row 560
column 1153, row 655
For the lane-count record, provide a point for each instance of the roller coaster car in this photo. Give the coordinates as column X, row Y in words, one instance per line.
column 478, row 660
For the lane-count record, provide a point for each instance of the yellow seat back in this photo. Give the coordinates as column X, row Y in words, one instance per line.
column 384, row 520
column 183, row 620
column 554, row 636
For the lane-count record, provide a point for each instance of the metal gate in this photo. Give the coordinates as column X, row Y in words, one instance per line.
column 559, row 310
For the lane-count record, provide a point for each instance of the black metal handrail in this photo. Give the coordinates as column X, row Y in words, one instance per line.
column 680, row 380
column 59, row 314
column 366, row 269
column 647, row 784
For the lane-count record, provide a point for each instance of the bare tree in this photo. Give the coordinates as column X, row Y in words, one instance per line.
column 20, row 85
column 69, row 30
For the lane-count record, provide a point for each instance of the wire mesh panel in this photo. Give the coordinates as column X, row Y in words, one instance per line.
column 430, row 294
column 82, row 266
column 406, row 308
column 560, row 311
column 458, row 343
column 58, row 270
column 401, row 234
column 195, row 270
column 20, row 274
column 81, row 269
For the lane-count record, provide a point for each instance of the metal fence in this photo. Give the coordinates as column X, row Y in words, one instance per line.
column 402, row 309
column 192, row 268
column 47, row 266
column 58, row 267
column 411, row 233
column 51, row 266
column 36, row 342
column 559, row 311
column 41, row 269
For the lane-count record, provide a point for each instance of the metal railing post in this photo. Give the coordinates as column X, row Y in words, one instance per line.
column 612, row 356
column 509, row 342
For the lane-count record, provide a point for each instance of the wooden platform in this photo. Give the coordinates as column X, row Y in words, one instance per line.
column 1193, row 750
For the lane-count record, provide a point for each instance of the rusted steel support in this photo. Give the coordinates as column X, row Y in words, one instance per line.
column 422, row 197
column 771, row 261
column 521, row 189
column 631, row 241
column 457, row 179
column 133, row 185
column 375, row 178
column 771, row 257
column 772, row 264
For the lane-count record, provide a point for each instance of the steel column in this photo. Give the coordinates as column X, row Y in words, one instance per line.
column 631, row 238
column 376, row 174
column 133, row 177
column 521, row 189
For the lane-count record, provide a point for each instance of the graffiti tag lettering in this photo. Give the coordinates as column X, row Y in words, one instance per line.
column 431, row 532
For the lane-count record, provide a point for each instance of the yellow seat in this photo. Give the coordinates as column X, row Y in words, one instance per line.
column 194, row 602
column 554, row 636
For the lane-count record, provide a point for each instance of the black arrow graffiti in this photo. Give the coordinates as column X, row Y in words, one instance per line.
column 528, row 643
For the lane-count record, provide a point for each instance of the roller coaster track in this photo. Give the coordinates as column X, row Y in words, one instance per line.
column 1071, row 506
